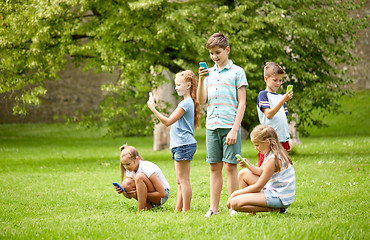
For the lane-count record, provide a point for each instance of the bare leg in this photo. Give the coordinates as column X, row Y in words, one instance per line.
column 232, row 177
column 246, row 178
column 179, row 202
column 215, row 184
column 183, row 175
column 143, row 186
column 250, row 202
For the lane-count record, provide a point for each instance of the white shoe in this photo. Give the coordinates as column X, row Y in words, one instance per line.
column 211, row 213
column 233, row 212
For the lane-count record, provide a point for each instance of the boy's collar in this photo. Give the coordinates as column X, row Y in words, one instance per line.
column 228, row 65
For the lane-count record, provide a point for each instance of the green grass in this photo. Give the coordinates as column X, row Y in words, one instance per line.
column 55, row 183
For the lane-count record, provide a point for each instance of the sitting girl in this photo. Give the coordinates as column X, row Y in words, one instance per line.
column 270, row 187
column 151, row 187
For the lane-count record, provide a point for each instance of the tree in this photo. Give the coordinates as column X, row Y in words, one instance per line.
column 142, row 38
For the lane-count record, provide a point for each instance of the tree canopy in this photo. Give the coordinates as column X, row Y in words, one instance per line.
column 141, row 38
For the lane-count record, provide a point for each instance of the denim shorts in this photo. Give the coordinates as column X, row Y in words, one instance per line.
column 184, row 152
column 217, row 150
column 273, row 202
column 163, row 200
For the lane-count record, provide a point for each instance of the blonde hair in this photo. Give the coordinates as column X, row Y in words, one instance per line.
column 262, row 133
column 218, row 40
column 272, row 68
column 127, row 151
column 189, row 76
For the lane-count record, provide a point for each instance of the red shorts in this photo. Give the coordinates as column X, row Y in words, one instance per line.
column 261, row 157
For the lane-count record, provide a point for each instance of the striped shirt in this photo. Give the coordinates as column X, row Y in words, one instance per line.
column 279, row 121
column 281, row 184
column 222, row 87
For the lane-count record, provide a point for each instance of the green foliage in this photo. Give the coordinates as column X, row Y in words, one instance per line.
column 141, row 38
column 55, row 183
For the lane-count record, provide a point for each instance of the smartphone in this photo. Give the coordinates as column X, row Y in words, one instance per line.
column 241, row 159
column 289, row 87
column 204, row 64
column 117, row 185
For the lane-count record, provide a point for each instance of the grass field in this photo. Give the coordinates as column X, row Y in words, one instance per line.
column 55, row 183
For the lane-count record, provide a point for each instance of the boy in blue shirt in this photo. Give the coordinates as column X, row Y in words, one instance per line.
column 224, row 89
column 271, row 106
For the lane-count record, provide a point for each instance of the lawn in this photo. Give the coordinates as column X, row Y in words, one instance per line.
column 55, row 183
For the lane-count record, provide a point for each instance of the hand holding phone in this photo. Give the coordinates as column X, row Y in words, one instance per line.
column 288, row 88
column 117, row 185
column 204, row 65
column 241, row 159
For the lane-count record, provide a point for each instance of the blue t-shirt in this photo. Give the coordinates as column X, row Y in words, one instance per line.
column 279, row 121
column 182, row 131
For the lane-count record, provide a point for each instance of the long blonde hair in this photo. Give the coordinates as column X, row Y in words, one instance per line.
column 189, row 76
column 127, row 151
column 262, row 133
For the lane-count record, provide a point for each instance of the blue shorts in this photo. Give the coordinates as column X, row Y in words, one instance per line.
column 217, row 150
column 273, row 202
column 163, row 200
column 184, row 152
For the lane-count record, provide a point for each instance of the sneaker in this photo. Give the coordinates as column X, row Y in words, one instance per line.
column 233, row 212
column 282, row 210
column 211, row 213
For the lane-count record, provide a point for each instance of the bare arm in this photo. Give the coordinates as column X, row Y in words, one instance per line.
column 267, row 172
column 159, row 190
column 202, row 94
column 232, row 135
column 255, row 170
column 128, row 195
column 270, row 112
column 176, row 115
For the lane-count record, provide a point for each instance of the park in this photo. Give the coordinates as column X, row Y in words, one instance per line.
column 56, row 172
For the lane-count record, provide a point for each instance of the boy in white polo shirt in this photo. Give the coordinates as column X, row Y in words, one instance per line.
column 271, row 106
column 224, row 89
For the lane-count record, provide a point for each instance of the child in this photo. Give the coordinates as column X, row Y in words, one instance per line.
column 270, row 187
column 271, row 106
column 182, row 143
column 224, row 89
column 151, row 187
column 128, row 184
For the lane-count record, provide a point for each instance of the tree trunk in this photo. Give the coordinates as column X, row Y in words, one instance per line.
column 162, row 95
column 294, row 134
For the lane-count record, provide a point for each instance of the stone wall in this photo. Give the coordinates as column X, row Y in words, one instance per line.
column 76, row 90
column 360, row 72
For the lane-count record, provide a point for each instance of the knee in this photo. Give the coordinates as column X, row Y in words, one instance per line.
column 243, row 174
column 230, row 167
column 216, row 167
column 182, row 180
column 140, row 177
column 234, row 204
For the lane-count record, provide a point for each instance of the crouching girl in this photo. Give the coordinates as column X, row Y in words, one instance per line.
column 151, row 188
